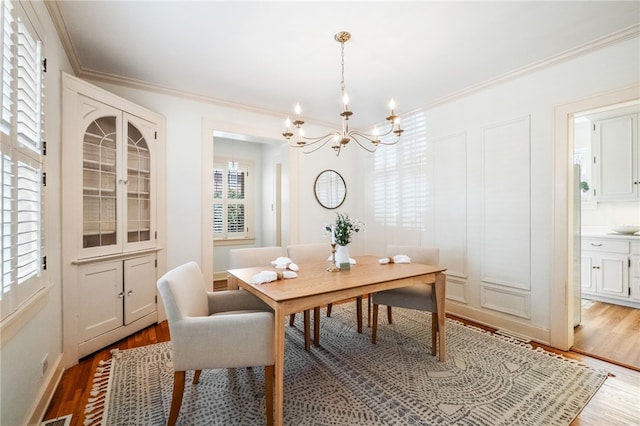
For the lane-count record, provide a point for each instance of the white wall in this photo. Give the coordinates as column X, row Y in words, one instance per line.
column 22, row 385
column 532, row 97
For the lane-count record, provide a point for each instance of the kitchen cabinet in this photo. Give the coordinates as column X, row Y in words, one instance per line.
column 616, row 158
column 113, row 244
column 606, row 271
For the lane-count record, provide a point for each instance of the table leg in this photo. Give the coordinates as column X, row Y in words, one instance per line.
column 440, row 289
column 278, row 391
column 316, row 326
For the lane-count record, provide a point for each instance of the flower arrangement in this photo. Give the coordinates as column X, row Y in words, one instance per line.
column 344, row 228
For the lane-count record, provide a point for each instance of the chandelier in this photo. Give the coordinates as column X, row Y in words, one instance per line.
column 340, row 139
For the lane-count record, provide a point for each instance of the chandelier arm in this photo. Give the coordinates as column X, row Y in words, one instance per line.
column 371, row 147
column 372, row 136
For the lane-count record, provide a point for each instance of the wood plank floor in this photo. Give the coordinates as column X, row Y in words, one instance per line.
column 609, row 332
column 616, row 403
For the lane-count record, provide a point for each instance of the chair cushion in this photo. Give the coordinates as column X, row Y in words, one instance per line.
column 419, row 297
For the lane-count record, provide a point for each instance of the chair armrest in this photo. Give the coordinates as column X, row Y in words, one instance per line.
column 235, row 300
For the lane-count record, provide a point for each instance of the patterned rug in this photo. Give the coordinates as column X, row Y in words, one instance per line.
column 487, row 380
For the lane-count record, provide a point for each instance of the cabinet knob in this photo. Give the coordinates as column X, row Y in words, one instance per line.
column 596, row 245
column 121, row 295
column 130, row 292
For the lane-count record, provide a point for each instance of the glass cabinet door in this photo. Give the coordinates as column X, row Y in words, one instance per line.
column 138, row 186
column 99, row 192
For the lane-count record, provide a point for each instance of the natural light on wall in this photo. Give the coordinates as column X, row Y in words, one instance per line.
column 401, row 190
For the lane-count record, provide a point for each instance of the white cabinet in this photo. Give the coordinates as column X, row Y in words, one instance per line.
column 606, row 270
column 616, row 160
column 112, row 187
column 115, row 293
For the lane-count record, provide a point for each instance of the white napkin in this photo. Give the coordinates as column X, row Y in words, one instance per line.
column 398, row 258
column 401, row 258
column 281, row 262
column 268, row 276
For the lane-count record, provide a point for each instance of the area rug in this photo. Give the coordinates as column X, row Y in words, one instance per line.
column 487, row 380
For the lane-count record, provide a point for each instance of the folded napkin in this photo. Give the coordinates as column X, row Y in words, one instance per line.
column 281, row 262
column 398, row 258
column 268, row 276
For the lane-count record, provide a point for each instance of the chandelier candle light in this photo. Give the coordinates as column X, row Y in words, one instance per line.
column 339, row 139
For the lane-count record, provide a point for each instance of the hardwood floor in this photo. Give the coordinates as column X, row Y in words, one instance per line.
column 616, row 403
column 609, row 332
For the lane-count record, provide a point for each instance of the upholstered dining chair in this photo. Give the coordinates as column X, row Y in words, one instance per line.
column 419, row 297
column 318, row 252
column 262, row 256
column 204, row 328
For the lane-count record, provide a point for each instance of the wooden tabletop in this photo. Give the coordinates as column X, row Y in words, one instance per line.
column 314, row 280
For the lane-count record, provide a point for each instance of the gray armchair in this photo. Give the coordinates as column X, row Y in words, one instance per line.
column 419, row 297
column 222, row 329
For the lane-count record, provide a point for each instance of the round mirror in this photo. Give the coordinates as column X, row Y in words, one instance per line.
column 330, row 189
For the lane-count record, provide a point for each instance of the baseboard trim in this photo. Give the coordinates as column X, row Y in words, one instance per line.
column 46, row 393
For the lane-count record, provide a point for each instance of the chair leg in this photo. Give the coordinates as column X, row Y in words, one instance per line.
column 389, row 314
column 359, row 313
column 176, row 399
column 307, row 332
column 374, row 324
column 434, row 333
column 292, row 319
column 196, row 377
column 369, row 310
column 268, row 392
column 316, row 326
column 329, row 309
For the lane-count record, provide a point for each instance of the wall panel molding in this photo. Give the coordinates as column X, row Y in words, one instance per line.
column 506, row 175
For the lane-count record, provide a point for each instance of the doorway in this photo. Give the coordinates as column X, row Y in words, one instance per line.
column 604, row 326
column 561, row 333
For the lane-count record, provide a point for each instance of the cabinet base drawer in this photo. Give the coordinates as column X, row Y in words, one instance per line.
column 604, row 245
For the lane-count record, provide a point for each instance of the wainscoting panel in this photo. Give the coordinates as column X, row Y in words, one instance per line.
column 511, row 302
column 506, row 242
column 456, row 289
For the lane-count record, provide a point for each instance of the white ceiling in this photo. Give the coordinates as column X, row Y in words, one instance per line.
column 270, row 55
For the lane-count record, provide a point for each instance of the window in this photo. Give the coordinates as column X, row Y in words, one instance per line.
column 400, row 186
column 231, row 206
column 21, row 160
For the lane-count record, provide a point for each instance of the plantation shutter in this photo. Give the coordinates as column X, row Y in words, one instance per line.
column 21, row 174
column 230, row 200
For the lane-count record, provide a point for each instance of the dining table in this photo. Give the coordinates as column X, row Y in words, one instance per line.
column 316, row 286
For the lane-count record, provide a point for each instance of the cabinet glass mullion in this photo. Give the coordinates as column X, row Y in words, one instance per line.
column 99, row 183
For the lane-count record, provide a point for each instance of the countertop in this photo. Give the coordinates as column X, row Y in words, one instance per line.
column 612, row 235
